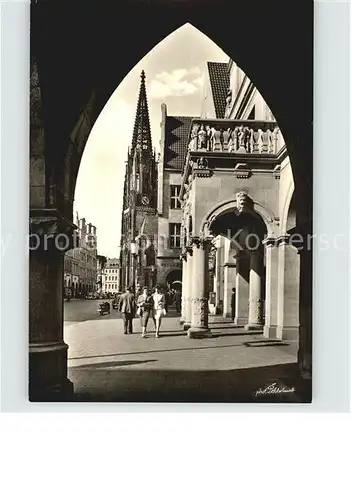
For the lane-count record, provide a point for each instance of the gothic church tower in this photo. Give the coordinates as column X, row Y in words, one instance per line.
column 139, row 218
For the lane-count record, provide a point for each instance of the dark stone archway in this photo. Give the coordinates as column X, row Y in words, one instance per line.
column 80, row 52
column 174, row 279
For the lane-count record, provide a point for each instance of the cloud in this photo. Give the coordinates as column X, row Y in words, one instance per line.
column 177, row 83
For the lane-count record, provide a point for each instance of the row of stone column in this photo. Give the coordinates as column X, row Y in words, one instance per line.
column 281, row 285
column 281, row 282
column 195, row 290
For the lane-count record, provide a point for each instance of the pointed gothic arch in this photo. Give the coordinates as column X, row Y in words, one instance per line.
column 73, row 63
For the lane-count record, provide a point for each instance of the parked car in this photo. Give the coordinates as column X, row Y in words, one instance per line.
column 104, row 307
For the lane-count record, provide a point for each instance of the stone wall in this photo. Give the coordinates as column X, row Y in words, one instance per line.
column 210, row 192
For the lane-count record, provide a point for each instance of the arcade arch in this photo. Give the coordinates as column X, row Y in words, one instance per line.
column 58, row 136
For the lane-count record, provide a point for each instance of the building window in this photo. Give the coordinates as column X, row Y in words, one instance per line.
column 174, row 235
column 175, row 201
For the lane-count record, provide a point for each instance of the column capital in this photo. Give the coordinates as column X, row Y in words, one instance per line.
column 201, row 241
column 189, row 249
column 283, row 239
column 270, row 241
column 183, row 256
column 49, row 230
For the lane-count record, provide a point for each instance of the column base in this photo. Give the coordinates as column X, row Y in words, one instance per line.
column 48, row 380
column 186, row 325
column 253, row 326
column 240, row 321
column 59, row 393
column 288, row 332
column 270, row 332
column 199, row 333
column 227, row 315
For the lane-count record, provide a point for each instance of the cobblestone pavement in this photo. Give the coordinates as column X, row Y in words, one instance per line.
column 106, row 365
column 103, row 344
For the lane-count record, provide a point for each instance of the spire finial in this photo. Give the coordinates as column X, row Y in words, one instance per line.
column 142, row 133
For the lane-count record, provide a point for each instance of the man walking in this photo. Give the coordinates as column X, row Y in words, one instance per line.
column 127, row 308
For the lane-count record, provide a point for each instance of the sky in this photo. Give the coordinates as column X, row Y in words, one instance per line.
column 174, row 75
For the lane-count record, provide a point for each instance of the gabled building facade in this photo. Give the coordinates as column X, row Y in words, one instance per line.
column 80, row 263
column 111, row 276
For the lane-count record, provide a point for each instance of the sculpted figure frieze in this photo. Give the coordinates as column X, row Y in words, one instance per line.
column 235, row 138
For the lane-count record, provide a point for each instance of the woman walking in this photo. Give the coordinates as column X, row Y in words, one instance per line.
column 159, row 308
column 145, row 304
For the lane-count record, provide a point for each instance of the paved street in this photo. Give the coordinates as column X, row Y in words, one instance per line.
column 78, row 310
column 106, row 365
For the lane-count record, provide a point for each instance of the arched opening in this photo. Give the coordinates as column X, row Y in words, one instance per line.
column 241, row 263
column 174, row 280
column 287, row 95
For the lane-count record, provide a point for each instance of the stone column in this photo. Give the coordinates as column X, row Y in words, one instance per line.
column 218, row 276
column 229, row 284
column 305, row 310
column 288, row 285
column 272, row 284
column 184, row 287
column 47, row 351
column 188, row 292
column 242, row 289
column 199, row 315
column 255, row 292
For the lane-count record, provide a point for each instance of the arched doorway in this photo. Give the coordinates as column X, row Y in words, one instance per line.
column 174, row 280
column 53, row 145
column 243, row 262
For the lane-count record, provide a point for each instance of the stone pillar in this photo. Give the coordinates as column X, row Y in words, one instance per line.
column 288, row 286
column 47, row 351
column 184, row 287
column 229, row 284
column 255, row 292
column 242, row 289
column 305, row 311
column 199, row 315
column 188, row 290
column 218, row 276
column 272, row 284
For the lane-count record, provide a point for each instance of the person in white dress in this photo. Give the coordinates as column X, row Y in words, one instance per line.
column 159, row 308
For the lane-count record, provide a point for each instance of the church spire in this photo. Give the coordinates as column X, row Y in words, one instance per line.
column 142, row 133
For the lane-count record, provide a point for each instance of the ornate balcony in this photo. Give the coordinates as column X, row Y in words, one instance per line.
column 235, row 136
column 244, row 146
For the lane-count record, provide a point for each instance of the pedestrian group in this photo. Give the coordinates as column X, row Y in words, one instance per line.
column 145, row 305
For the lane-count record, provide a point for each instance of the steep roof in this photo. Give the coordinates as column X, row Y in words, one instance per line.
column 176, row 140
column 112, row 262
column 219, row 80
column 142, row 131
